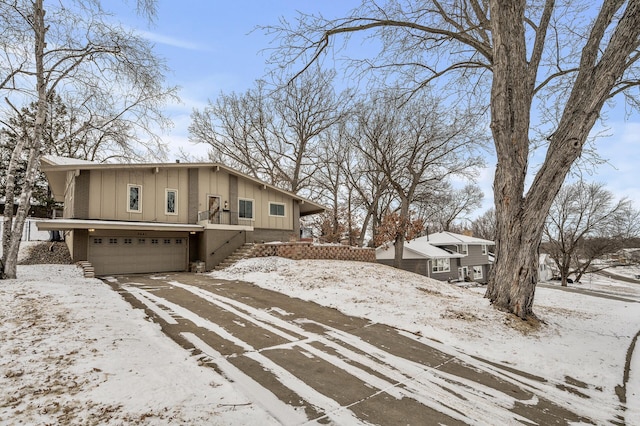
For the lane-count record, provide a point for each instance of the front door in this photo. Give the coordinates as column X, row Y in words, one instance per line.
column 462, row 273
column 214, row 209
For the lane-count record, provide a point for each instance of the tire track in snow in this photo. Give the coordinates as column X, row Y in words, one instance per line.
column 402, row 378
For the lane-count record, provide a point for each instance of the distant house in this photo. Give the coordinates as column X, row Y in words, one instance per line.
column 547, row 268
column 445, row 256
column 137, row 218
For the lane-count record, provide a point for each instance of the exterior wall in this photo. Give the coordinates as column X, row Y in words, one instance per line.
column 418, row 266
column 261, row 198
column 109, row 194
column 474, row 257
column 77, row 242
column 303, row 250
column 216, row 244
column 69, row 196
column 192, row 208
column 270, row 235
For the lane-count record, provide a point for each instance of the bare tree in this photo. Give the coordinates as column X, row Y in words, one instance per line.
column 415, row 146
column 74, row 48
column 271, row 135
column 584, row 223
column 443, row 209
column 484, row 226
column 570, row 57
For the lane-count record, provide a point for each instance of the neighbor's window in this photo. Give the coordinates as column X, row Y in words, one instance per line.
column 463, row 249
column 477, row 272
column 484, row 249
column 276, row 209
column 440, row 265
column 245, row 209
column 171, row 201
column 135, row 199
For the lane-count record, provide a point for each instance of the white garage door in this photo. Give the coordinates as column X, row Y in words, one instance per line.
column 127, row 255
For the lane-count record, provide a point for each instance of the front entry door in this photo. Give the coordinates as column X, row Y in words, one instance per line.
column 214, row 209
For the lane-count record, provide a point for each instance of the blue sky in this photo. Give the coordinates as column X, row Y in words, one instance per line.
column 211, row 46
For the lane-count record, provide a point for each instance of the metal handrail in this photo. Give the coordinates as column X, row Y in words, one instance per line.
column 226, row 242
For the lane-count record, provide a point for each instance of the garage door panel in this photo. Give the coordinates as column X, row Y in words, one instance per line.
column 123, row 255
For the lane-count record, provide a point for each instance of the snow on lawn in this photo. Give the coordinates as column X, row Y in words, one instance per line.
column 583, row 338
column 72, row 351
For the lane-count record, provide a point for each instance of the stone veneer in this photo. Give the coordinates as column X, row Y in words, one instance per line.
column 307, row 250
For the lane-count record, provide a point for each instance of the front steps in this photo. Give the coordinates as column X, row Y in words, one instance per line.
column 245, row 251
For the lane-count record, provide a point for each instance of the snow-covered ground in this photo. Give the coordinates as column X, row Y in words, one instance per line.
column 73, row 351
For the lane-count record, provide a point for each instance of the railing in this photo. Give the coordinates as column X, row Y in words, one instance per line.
column 224, row 217
column 227, row 242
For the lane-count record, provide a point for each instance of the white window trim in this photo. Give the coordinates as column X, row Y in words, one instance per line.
column 129, row 186
column 464, row 249
column 445, row 268
column 284, row 209
column 166, row 202
column 253, row 209
column 484, row 249
column 479, row 275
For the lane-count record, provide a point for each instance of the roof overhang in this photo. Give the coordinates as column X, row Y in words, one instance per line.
column 116, row 225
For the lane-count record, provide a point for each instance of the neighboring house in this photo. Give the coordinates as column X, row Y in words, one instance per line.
column 547, row 268
column 135, row 218
column 444, row 256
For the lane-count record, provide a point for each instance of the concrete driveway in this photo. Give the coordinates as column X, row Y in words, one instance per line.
column 305, row 363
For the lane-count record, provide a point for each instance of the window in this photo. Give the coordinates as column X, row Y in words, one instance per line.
column 141, row 241
column 135, row 199
column 97, row 241
column 178, row 240
column 484, row 249
column 154, row 241
column 245, row 209
column 463, row 249
column 171, row 201
column 167, row 241
column 128, row 241
column 440, row 265
column 477, row 272
column 276, row 209
column 113, row 241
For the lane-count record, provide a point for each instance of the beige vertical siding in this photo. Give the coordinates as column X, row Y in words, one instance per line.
column 109, row 194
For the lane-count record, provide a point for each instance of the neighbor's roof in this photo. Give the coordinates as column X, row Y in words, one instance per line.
column 427, row 249
column 447, row 238
column 55, row 167
column 419, row 249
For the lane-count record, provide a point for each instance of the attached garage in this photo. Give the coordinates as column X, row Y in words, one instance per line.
column 117, row 254
column 127, row 247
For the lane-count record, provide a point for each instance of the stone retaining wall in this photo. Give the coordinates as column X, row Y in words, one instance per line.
column 305, row 250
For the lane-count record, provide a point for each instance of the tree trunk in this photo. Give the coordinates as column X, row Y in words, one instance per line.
column 9, row 199
column 10, row 267
column 513, row 278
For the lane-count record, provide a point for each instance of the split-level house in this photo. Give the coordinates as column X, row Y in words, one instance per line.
column 444, row 256
column 140, row 218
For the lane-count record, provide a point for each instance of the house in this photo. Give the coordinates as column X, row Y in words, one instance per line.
column 547, row 268
column 141, row 218
column 445, row 256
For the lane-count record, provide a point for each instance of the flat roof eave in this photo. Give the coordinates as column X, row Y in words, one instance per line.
column 116, row 225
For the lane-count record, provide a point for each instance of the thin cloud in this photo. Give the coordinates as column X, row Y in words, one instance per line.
column 172, row 41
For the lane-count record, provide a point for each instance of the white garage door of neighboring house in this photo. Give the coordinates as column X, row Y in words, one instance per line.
column 128, row 255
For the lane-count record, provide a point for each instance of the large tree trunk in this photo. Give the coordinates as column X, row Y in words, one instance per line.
column 10, row 267
column 520, row 218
